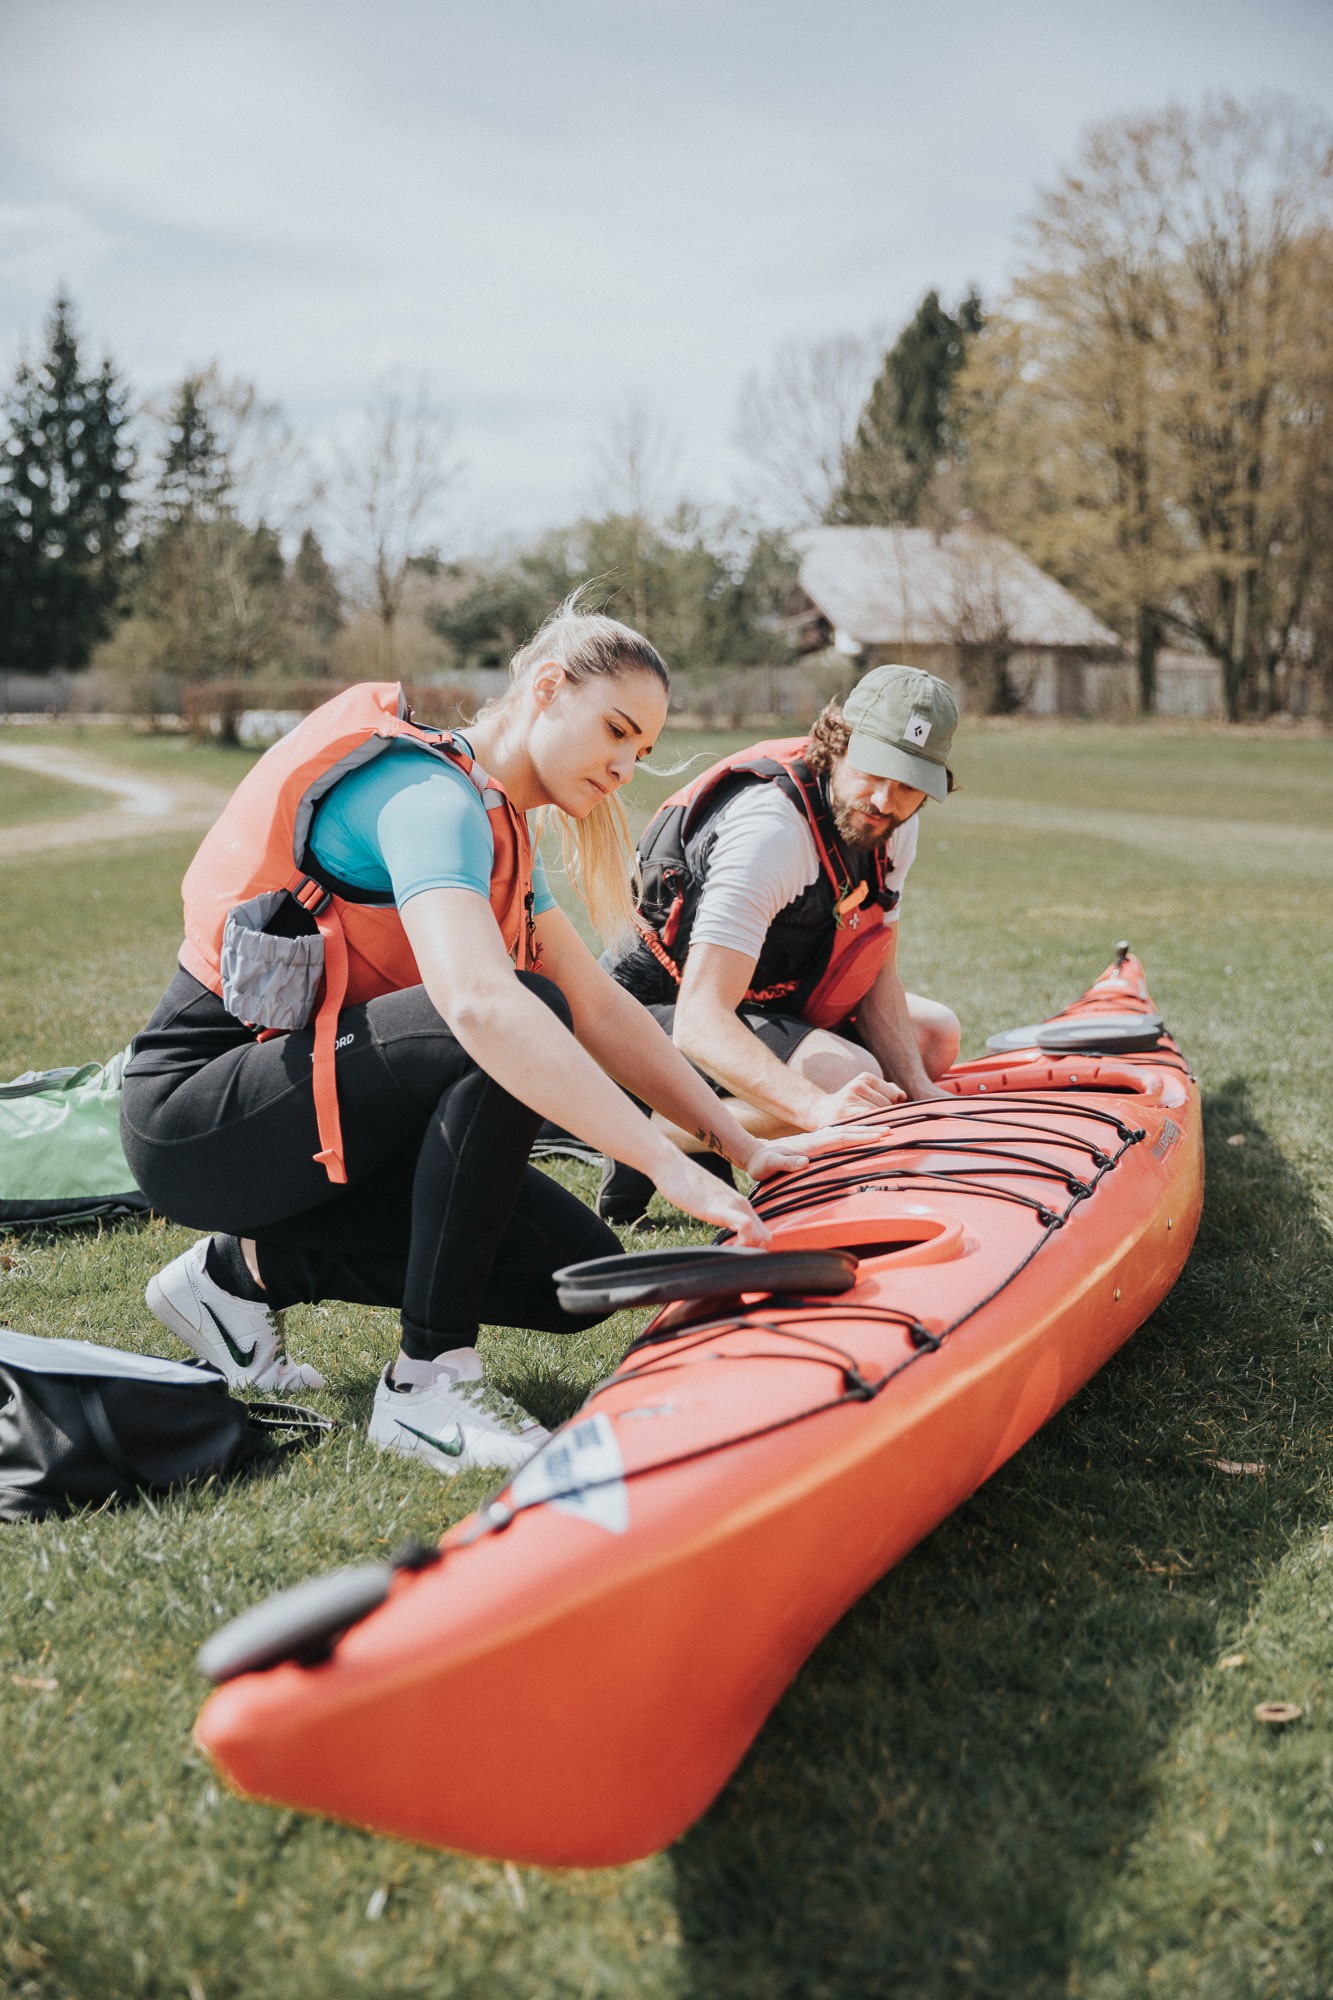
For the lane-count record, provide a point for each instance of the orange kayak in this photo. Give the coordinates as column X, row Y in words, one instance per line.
column 572, row 1677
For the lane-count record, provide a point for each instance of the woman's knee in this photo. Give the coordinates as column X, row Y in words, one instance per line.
column 549, row 994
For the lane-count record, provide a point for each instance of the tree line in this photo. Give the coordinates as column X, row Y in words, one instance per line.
column 148, row 551
column 1147, row 413
column 150, row 541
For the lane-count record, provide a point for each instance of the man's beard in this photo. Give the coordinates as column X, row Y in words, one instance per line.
column 856, row 833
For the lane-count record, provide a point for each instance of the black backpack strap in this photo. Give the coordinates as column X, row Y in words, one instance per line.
column 725, row 787
column 94, row 1410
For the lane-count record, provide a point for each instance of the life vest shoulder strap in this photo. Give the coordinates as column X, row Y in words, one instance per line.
column 778, row 764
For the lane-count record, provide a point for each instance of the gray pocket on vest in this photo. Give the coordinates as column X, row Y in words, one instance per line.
column 267, row 980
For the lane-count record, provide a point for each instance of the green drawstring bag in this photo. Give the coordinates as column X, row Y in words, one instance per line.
column 60, row 1151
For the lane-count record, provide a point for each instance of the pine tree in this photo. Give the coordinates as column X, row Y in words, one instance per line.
column 64, row 504
column 905, row 429
column 213, row 592
column 316, row 598
column 195, row 478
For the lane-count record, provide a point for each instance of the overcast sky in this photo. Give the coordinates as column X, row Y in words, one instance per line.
column 552, row 205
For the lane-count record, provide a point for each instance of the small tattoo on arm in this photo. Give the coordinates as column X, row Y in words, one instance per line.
column 710, row 1140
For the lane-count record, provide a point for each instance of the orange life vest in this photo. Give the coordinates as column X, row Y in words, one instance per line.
column 259, row 848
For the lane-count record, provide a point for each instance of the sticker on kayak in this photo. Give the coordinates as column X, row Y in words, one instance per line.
column 579, row 1472
column 1166, row 1139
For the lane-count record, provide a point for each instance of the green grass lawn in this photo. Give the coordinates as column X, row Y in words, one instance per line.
column 1018, row 1767
column 25, row 796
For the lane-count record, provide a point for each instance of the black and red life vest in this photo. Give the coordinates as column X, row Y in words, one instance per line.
column 823, row 952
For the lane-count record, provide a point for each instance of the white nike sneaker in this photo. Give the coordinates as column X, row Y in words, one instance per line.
column 450, row 1418
column 243, row 1341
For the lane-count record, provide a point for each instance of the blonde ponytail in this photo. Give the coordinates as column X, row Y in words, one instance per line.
column 598, row 851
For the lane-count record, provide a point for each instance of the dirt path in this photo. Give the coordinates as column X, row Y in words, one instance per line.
column 147, row 805
column 142, row 806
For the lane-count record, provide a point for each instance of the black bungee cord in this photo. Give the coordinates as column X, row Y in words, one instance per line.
column 681, row 1342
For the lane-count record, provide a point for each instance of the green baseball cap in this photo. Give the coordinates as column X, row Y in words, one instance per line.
column 903, row 720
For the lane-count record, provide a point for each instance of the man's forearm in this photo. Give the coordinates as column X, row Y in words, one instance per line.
column 885, row 1026
column 720, row 1043
column 625, row 1039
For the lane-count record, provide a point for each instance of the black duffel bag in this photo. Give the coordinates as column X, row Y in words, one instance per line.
column 81, row 1425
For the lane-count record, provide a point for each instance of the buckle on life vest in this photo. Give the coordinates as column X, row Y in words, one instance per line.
column 313, row 897
column 851, row 903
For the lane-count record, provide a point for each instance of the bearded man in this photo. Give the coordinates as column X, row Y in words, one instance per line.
column 768, row 920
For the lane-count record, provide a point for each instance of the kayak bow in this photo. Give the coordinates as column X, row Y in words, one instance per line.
column 576, row 1676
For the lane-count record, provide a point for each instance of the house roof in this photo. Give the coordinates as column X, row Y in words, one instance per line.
column 908, row 586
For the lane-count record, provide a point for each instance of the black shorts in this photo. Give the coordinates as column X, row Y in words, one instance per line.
column 781, row 1034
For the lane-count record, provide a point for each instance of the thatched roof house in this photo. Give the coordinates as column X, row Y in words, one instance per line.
column 968, row 606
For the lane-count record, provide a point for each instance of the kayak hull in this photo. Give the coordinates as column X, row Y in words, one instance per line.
column 576, row 1679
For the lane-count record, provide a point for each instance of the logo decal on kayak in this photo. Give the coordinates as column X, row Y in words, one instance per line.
column 579, row 1472
column 1166, row 1139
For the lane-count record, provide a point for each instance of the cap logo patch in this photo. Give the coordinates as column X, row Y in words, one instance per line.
column 918, row 729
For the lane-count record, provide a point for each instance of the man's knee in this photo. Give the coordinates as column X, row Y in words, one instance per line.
column 828, row 1061
column 938, row 1033
column 550, row 995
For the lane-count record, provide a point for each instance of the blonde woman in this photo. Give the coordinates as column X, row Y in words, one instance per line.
column 345, row 1076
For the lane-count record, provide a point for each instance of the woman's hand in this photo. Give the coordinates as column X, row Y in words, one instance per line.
column 689, row 1186
column 785, row 1156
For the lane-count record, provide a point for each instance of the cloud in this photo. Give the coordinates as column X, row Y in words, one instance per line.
column 549, row 208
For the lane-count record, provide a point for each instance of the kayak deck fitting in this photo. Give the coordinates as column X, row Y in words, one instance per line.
column 576, row 1671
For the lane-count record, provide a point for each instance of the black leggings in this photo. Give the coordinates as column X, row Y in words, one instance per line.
column 441, row 1216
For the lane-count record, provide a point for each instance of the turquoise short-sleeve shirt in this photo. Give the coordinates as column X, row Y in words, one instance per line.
column 405, row 822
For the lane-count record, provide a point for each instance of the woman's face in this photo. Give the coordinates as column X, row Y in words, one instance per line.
column 587, row 736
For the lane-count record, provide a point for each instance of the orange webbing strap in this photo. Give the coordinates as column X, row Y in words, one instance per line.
column 315, row 899
column 330, row 1154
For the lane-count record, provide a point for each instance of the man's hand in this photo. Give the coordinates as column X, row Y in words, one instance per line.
column 866, row 1092
column 929, row 1089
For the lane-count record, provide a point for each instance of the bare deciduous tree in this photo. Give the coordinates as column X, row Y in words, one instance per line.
column 1250, row 213
column 635, row 455
column 1154, row 418
column 979, row 623
column 795, row 422
column 390, row 482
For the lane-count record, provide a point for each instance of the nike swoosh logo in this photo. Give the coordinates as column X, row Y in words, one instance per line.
column 239, row 1355
column 441, row 1444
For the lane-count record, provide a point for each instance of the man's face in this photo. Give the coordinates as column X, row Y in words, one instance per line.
column 867, row 810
